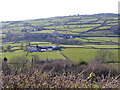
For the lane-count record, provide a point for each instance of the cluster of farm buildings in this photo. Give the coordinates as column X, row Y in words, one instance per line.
column 42, row 48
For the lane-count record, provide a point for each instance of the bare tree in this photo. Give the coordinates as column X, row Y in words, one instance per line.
column 104, row 55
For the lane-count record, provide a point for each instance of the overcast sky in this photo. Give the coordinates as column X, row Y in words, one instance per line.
column 12, row 10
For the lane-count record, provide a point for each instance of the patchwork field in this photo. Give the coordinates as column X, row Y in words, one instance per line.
column 80, row 24
column 80, row 36
column 75, row 53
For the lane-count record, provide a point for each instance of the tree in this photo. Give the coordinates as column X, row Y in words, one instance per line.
column 104, row 55
column 35, row 60
column 83, row 63
column 28, row 44
column 5, row 59
column 5, row 68
column 2, row 48
column 25, row 48
column 116, row 29
column 8, row 47
column 21, row 46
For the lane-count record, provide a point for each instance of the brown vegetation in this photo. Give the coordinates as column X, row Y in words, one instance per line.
column 63, row 74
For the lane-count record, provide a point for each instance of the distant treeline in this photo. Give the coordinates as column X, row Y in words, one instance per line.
column 45, row 37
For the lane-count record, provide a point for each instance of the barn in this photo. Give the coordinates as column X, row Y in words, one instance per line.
column 42, row 48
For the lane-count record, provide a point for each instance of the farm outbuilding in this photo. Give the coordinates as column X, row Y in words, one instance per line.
column 42, row 48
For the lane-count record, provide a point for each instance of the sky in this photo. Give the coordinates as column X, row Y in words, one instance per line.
column 13, row 10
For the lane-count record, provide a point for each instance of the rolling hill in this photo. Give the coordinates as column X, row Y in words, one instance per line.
column 90, row 25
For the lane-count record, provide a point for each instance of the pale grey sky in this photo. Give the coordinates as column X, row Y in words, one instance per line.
column 12, row 10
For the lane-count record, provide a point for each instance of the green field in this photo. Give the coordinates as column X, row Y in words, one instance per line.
column 98, row 39
column 87, row 55
column 75, row 53
column 113, row 39
column 42, row 55
column 102, row 46
column 44, row 31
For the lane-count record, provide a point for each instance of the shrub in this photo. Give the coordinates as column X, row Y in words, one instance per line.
column 22, row 46
column 19, row 63
column 5, row 68
column 103, row 69
column 83, row 63
column 8, row 47
column 58, row 80
column 104, row 55
column 35, row 60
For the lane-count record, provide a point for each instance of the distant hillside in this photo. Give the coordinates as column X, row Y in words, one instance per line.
column 104, row 24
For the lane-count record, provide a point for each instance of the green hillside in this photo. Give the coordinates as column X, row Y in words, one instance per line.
column 96, row 24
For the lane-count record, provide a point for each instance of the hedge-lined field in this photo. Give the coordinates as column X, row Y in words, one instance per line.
column 77, row 23
column 75, row 53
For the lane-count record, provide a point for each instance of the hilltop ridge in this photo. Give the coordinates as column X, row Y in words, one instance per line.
column 103, row 24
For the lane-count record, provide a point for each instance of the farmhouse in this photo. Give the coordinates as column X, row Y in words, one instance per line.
column 42, row 48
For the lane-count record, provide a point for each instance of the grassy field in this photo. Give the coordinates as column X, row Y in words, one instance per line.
column 76, row 53
column 40, row 42
column 42, row 55
column 113, row 39
column 87, row 55
column 98, row 39
column 51, row 55
column 86, row 40
column 10, row 55
column 81, row 29
column 102, row 46
column 68, row 32
column 72, row 45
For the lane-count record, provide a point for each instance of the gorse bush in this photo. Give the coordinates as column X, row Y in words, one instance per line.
column 58, row 80
column 62, row 74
